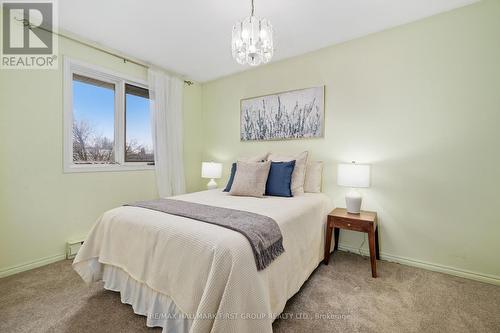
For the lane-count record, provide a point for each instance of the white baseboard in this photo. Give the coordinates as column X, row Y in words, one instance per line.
column 427, row 265
column 30, row 265
column 492, row 279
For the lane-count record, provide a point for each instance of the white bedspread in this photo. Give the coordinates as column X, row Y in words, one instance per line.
column 209, row 271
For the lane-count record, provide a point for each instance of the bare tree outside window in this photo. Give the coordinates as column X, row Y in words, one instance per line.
column 90, row 147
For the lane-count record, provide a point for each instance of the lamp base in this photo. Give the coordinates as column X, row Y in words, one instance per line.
column 353, row 202
column 212, row 184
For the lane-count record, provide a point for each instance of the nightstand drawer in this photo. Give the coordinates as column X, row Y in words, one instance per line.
column 342, row 223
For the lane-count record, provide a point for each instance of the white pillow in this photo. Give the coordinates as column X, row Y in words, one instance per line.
column 299, row 172
column 250, row 179
column 314, row 175
column 256, row 158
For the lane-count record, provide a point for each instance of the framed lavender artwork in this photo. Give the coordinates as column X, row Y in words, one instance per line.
column 295, row 114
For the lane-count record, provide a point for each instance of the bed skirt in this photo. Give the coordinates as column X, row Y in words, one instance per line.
column 159, row 309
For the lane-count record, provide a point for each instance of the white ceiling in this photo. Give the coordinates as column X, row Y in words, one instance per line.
column 192, row 37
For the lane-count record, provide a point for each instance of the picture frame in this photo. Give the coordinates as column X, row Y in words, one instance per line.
column 287, row 115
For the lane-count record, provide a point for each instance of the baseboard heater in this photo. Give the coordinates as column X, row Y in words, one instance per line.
column 72, row 247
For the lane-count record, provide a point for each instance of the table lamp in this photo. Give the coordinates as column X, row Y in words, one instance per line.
column 354, row 176
column 212, row 171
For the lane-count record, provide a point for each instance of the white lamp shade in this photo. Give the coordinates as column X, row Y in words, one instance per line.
column 211, row 170
column 353, row 175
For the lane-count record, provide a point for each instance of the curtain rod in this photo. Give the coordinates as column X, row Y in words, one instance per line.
column 27, row 23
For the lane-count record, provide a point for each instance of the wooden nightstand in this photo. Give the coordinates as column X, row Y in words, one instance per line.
column 339, row 218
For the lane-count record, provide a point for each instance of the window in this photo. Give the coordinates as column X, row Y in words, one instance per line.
column 138, row 138
column 93, row 121
column 107, row 121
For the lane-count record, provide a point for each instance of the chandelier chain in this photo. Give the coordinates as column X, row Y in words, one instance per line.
column 253, row 8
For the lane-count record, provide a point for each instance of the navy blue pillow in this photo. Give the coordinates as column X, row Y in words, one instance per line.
column 279, row 180
column 231, row 178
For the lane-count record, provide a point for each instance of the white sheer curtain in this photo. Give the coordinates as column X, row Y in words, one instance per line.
column 165, row 93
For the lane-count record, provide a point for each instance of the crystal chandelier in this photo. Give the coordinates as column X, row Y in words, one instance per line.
column 252, row 40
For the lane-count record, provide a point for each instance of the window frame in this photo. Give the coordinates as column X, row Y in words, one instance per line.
column 72, row 66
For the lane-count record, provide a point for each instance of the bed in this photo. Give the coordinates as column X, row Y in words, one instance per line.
column 189, row 276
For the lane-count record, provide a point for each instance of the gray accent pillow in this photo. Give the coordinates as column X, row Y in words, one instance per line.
column 250, row 179
column 314, row 175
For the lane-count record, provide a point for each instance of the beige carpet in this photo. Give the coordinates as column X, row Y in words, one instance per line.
column 340, row 297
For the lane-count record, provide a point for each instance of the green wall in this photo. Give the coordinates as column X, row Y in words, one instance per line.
column 421, row 103
column 40, row 206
